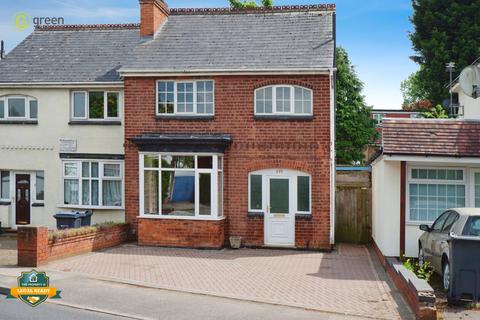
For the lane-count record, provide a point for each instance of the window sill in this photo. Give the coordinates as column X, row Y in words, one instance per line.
column 185, row 117
column 66, row 206
column 18, row 121
column 180, row 218
column 96, row 122
column 253, row 214
column 283, row 117
column 5, row 203
column 303, row 216
column 38, row 204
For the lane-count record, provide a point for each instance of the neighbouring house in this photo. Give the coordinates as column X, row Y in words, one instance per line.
column 193, row 126
column 426, row 166
column 61, row 124
column 229, row 119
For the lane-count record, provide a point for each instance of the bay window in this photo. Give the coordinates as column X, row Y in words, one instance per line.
column 181, row 185
column 283, row 100
column 95, row 105
column 433, row 190
column 185, row 97
column 93, row 184
column 18, row 108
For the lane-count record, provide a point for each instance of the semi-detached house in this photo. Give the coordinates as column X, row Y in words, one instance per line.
column 195, row 125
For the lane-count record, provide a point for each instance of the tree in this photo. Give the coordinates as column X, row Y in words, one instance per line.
column 444, row 31
column 249, row 3
column 437, row 112
column 355, row 129
column 412, row 92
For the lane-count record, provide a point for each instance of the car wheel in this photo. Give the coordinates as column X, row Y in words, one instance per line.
column 446, row 276
column 421, row 257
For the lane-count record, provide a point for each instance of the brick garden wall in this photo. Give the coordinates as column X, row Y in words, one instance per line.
column 416, row 292
column 34, row 247
column 257, row 144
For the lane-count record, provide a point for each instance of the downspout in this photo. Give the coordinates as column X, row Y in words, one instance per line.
column 333, row 107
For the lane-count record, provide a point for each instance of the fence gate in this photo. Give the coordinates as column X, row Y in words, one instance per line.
column 353, row 199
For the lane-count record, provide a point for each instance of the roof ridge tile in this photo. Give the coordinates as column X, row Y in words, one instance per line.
column 274, row 9
column 75, row 27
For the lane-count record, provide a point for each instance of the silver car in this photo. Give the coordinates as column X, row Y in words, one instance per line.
column 434, row 244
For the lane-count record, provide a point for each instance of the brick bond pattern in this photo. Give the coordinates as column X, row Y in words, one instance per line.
column 344, row 282
column 34, row 247
column 258, row 144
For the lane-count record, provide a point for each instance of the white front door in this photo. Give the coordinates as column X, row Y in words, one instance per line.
column 279, row 214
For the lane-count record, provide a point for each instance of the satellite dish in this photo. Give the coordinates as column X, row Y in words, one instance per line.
column 470, row 81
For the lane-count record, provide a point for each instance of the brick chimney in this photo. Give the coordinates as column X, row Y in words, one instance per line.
column 153, row 14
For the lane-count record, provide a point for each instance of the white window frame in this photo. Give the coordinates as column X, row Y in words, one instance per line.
column 101, row 178
column 10, row 175
column 410, row 180
column 87, row 105
column 378, row 117
column 175, row 102
column 27, row 100
column 217, row 166
column 274, row 100
column 34, row 187
column 292, row 174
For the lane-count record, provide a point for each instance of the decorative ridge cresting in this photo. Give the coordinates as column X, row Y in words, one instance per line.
column 73, row 27
column 274, row 9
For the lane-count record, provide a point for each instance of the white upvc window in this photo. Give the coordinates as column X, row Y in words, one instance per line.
column 302, row 188
column 38, row 191
column 181, row 186
column 378, row 117
column 18, row 107
column 95, row 105
column 93, row 184
column 185, row 97
column 283, row 100
column 432, row 190
column 5, row 185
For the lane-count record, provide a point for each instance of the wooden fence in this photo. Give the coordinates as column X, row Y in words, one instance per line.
column 353, row 200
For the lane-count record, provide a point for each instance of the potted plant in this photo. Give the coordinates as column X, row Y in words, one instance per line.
column 235, row 242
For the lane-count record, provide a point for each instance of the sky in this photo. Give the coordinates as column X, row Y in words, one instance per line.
column 374, row 33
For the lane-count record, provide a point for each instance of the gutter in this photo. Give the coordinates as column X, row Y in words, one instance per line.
column 116, row 84
column 197, row 72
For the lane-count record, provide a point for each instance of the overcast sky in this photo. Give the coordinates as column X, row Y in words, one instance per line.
column 374, row 32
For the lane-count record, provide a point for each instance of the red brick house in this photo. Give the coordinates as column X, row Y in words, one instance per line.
column 229, row 127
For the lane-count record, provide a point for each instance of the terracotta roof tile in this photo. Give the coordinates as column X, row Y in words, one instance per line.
column 431, row 137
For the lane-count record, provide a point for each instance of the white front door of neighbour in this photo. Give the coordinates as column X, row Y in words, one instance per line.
column 279, row 215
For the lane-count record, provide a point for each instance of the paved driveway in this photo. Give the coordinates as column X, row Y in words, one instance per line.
column 8, row 250
column 348, row 281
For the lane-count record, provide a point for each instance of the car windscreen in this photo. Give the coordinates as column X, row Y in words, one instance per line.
column 472, row 227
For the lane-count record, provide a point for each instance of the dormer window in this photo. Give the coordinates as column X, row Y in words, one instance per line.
column 283, row 100
column 185, row 98
column 18, row 108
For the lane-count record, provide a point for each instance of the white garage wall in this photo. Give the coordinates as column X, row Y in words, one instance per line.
column 386, row 206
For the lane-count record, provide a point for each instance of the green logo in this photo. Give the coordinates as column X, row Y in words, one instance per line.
column 33, row 288
column 21, row 21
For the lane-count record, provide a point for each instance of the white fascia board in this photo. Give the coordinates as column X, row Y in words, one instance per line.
column 116, row 84
column 430, row 159
column 173, row 73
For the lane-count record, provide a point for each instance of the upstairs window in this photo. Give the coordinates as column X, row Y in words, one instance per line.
column 185, row 97
column 18, row 108
column 95, row 105
column 283, row 100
